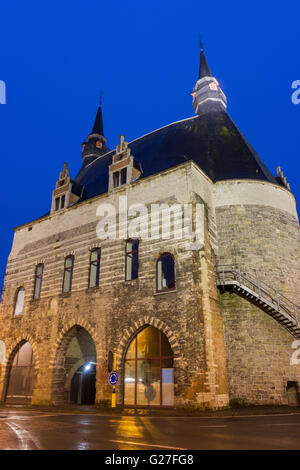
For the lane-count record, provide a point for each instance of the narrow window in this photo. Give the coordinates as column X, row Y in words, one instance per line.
column 165, row 274
column 57, row 203
column 116, row 177
column 95, row 268
column 68, row 274
column 124, row 176
column 38, row 281
column 132, row 260
column 62, row 202
column 19, row 301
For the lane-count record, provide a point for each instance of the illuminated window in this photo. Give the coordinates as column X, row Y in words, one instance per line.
column 21, row 376
column 38, row 281
column 19, row 301
column 68, row 274
column 148, row 370
column 132, row 260
column 165, row 272
column 94, row 274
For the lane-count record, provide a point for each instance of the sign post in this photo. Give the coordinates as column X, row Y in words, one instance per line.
column 113, row 380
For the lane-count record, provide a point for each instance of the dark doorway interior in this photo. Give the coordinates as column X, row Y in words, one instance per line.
column 83, row 385
column 292, row 390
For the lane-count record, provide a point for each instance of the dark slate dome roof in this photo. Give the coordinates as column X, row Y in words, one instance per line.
column 211, row 140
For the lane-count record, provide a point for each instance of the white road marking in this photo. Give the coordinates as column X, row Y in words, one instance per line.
column 24, row 437
column 147, row 445
column 214, row 426
column 282, row 424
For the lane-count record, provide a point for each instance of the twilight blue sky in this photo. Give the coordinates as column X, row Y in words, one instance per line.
column 57, row 56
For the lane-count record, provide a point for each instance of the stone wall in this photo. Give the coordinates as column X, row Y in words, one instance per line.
column 263, row 239
column 114, row 312
column 258, row 352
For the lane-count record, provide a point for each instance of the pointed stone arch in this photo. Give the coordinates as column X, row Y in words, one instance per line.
column 19, row 341
column 61, row 373
column 138, row 325
column 68, row 326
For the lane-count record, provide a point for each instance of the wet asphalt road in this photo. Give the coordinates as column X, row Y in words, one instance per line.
column 30, row 430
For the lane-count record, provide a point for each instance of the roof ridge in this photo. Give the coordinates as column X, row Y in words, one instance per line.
column 141, row 137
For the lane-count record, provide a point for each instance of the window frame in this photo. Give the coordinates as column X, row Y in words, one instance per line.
column 36, row 278
column 138, row 358
column 123, row 176
column 127, row 255
column 116, row 179
column 166, row 289
column 21, row 288
column 68, row 269
column 57, row 203
column 96, row 263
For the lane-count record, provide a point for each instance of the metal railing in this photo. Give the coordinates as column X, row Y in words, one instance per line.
column 231, row 274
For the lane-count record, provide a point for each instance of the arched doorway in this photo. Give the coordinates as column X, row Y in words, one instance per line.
column 20, row 378
column 74, row 373
column 148, row 370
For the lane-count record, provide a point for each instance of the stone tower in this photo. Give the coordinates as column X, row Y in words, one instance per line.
column 193, row 324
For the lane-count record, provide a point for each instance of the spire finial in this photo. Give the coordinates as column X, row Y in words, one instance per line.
column 204, row 70
column 201, row 42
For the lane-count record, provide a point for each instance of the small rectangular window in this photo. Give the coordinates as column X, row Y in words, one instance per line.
column 62, row 202
column 57, row 203
column 124, row 176
column 165, row 272
column 94, row 274
column 116, row 177
column 68, row 274
column 38, row 281
column 132, row 260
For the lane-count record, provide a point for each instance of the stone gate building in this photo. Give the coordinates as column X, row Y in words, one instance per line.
column 193, row 322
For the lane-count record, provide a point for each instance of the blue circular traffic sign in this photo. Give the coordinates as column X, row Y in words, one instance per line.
column 113, row 378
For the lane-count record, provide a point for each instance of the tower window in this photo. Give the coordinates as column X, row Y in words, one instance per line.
column 124, row 176
column 116, row 177
column 68, row 274
column 19, row 301
column 38, row 281
column 94, row 274
column 62, row 205
column 165, row 273
column 57, row 203
column 132, row 260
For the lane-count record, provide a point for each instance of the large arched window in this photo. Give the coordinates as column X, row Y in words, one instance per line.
column 148, row 370
column 165, row 273
column 68, row 274
column 19, row 301
column 20, row 380
column 38, row 281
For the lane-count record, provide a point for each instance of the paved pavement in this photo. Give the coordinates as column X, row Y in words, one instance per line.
column 28, row 430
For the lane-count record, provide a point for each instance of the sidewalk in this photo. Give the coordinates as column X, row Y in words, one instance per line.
column 162, row 412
